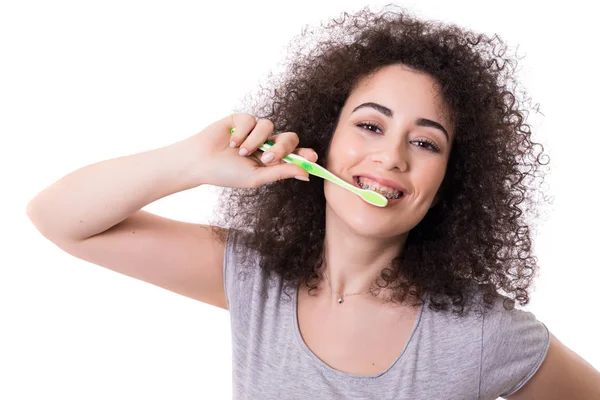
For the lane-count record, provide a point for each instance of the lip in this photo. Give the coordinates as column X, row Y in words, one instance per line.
column 382, row 181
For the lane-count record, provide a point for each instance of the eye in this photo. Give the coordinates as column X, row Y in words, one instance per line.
column 426, row 144
column 369, row 126
column 423, row 143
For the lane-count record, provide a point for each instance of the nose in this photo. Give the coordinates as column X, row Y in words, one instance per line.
column 391, row 156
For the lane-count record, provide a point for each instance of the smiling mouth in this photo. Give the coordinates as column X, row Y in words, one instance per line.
column 387, row 192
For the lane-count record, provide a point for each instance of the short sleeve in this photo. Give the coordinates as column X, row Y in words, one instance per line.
column 514, row 345
column 239, row 267
column 226, row 263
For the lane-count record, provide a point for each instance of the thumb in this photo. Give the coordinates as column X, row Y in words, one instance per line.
column 278, row 172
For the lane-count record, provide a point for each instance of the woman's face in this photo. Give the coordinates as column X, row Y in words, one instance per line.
column 394, row 126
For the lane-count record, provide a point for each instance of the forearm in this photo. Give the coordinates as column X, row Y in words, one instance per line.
column 94, row 198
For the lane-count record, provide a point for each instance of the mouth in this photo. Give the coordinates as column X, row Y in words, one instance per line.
column 388, row 189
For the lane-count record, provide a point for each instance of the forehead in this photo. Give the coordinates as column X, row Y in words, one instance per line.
column 402, row 89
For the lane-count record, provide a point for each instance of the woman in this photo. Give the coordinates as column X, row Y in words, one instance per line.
column 331, row 297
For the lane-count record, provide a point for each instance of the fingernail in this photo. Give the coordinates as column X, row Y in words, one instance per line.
column 232, row 144
column 267, row 157
column 316, row 156
column 302, row 178
column 243, row 151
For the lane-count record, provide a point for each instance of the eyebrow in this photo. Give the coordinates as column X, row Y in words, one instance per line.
column 390, row 114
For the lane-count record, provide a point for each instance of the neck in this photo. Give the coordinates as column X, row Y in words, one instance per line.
column 354, row 262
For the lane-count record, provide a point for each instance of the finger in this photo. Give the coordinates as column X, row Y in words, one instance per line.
column 242, row 124
column 273, row 173
column 283, row 144
column 309, row 154
column 261, row 132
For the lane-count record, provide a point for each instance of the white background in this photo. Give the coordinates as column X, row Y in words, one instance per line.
column 82, row 82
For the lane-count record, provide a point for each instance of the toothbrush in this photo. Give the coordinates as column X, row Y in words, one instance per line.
column 315, row 169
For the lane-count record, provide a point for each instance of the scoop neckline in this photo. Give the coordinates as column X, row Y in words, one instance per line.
column 337, row 373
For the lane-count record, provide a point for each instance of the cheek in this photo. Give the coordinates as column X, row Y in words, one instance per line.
column 431, row 179
column 343, row 152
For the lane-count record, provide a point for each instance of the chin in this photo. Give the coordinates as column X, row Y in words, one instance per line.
column 363, row 218
column 380, row 231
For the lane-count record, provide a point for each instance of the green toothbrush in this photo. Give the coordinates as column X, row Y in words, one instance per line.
column 315, row 169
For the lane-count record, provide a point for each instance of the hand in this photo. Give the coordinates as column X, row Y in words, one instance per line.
column 233, row 160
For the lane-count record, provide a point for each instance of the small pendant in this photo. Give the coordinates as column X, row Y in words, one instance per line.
column 340, row 300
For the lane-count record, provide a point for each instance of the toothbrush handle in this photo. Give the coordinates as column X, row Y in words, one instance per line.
column 290, row 158
column 312, row 168
column 317, row 170
column 267, row 145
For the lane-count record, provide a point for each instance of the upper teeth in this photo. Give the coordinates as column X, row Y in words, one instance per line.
column 387, row 191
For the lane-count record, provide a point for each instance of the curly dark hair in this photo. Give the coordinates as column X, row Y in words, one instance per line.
column 477, row 235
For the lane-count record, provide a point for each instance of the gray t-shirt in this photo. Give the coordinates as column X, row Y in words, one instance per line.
column 446, row 357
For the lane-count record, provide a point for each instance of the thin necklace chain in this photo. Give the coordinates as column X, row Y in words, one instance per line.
column 341, row 296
